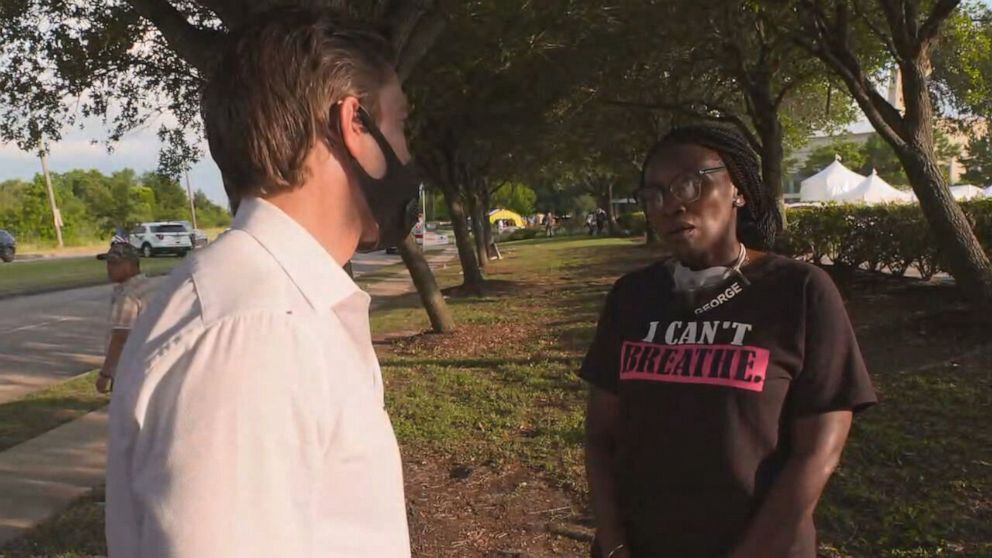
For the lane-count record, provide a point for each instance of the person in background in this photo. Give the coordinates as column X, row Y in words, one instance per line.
column 419, row 231
column 132, row 292
column 601, row 219
column 591, row 223
column 121, row 236
column 549, row 224
column 723, row 379
column 249, row 419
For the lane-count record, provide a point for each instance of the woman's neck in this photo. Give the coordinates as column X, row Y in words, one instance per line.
column 724, row 255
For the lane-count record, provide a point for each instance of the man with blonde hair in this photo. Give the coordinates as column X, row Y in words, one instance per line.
column 249, row 417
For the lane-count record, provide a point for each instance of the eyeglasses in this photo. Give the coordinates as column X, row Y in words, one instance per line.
column 686, row 188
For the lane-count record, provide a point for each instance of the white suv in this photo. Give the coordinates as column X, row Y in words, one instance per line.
column 168, row 237
column 198, row 237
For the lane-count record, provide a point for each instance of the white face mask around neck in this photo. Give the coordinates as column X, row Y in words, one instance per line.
column 687, row 280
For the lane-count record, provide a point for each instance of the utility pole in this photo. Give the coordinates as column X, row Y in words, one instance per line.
column 423, row 201
column 56, row 215
column 192, row 204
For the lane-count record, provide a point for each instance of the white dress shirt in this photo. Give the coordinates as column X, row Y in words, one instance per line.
column 248, row 415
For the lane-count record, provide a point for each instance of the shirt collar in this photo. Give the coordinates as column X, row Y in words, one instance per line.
column 308, row 265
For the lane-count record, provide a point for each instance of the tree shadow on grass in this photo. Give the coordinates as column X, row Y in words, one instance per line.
column 490, row 288
column 75, row 533
column 25, row 419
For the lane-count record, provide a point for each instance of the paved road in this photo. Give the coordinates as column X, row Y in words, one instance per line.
column 50, row 337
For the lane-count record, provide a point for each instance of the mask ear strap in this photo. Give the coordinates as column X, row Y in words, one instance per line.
column 387, row 149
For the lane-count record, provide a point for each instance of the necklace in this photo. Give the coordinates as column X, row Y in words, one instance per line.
column 695, row 284
column 741, row 258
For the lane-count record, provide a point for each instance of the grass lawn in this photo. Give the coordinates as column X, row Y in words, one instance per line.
column 42, row 411
column 500, row 395
column 51, row 246
column 63, row 273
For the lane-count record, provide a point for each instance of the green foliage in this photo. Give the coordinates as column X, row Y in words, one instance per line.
column 978, row 160
column 93, row 205
column 962, row 67
column 515, row 197
column 880, row 157
column 851, row 154
column 635, row 223
column 889, row 238
column 60, row 62
column 171, row 201
column 875, row 154
column 436, row 208
column 208, row 214
column 579, row 206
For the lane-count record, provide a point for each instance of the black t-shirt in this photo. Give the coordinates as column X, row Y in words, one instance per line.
column 708, row 390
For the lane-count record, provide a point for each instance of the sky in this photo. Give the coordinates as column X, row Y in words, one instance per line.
column 138, row 150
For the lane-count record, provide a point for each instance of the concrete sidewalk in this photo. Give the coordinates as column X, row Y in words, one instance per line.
column 41, row 477
column 399, row 283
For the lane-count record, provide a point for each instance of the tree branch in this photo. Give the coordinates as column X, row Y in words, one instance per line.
column 886, row 40
column 830, row 44
column 429, row 27
column 724, row 116
column 197, row 46
column 895, row 16
column 940, row 12
column 231, row 12
column 788, row 87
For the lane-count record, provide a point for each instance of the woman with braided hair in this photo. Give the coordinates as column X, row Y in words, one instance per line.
column 723, row 379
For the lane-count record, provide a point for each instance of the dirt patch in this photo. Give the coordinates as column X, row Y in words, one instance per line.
column 470, row 511
column 903, row 324
column 469, row 341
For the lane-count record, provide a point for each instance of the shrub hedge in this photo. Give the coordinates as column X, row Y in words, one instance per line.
column 634, row 224
column 889, row 238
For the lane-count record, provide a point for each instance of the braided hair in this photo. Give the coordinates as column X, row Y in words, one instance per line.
column 758, row 221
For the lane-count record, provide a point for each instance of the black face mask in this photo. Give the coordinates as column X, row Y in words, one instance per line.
column 392, row 198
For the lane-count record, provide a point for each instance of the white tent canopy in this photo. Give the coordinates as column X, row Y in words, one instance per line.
column 873, row 190
column 988, row 192
column 829, row 183
column 966, row 192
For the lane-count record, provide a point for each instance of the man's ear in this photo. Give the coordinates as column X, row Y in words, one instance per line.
column 357, row 140
column 351, row 126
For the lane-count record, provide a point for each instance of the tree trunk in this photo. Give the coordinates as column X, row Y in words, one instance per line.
column 769, row 127
column 959, row 248
column 910, row 133
column 430, row 294
column 413, row 32
column 472, row 274
column 487, row 225
column 652, row 235
column 611, row 217
column 479, row 218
